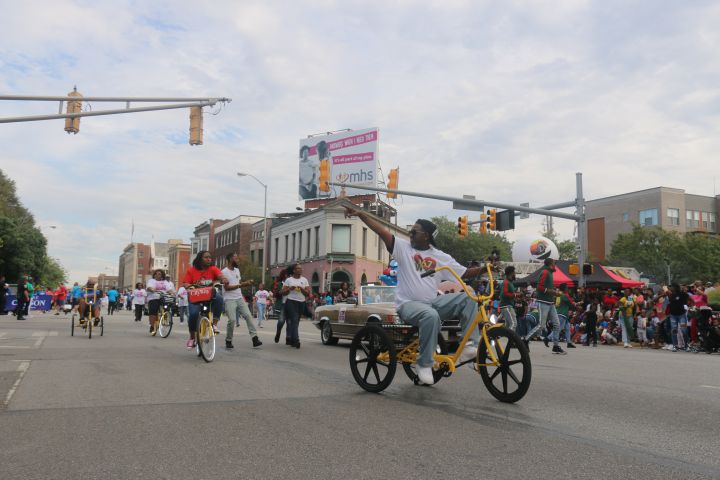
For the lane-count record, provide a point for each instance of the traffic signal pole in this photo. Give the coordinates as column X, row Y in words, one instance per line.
column 174, row 103
column 578, row 216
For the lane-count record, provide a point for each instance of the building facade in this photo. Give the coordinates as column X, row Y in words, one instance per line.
column 257, row 243
column 134, row 265
column 331, row 248
column 178, row 261
column 233, row 236
column 668, row 208
column 204, row 237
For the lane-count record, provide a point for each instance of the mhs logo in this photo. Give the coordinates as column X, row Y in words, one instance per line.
column 362, row 176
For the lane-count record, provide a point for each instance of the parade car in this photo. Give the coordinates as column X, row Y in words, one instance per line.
column 376, row 303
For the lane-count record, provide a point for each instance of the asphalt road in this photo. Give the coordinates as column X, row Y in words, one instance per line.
column 127, row 405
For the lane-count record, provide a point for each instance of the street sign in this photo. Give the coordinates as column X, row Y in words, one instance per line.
column 524, row 215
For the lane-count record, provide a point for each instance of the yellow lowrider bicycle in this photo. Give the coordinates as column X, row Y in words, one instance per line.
column 89, row 314
column 502, row 361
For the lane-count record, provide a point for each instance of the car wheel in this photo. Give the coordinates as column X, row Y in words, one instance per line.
column 326, row 335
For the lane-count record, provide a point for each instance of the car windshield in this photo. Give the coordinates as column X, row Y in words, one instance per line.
column 378, row 294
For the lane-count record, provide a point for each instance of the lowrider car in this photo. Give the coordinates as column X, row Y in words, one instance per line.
column 376, row 303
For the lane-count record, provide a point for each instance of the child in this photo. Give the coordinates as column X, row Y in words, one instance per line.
column 642, row 328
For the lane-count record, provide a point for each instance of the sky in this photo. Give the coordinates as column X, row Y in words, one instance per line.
column 502, row 100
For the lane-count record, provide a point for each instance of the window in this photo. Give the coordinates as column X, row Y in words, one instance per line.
column 673, row 215
column 140, row 254
column 711, row 222
column 308, row 243
column 341, row 238
column 626, row 217
column 649, row 217
column 277, row 249
column 300, row 245
column 692, row 219
column 364, row 242
column 252, row 256
column 293, row 247
column 317, row 241
column 287, row 242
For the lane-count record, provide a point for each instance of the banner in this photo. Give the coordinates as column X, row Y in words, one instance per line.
column 38, row 302
column 353, row 159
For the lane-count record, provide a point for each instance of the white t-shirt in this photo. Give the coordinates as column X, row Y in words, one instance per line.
column 138, row 296
column 182, row 297
column 411, row 263
column 261, row 296
column 233, row 277
column 294, row 283
column 159, row 286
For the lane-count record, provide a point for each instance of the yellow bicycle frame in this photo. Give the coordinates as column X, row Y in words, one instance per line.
column 409, row 353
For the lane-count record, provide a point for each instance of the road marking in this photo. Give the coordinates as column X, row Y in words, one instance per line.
column 13, row 346
column 3, row 335
column 22, row 368
column 39, row 334
column 39, row 342
column 710, row 386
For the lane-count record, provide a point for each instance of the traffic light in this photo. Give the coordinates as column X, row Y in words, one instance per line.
column 393, row 178
column 72, row 125
column 483, row 223
column 492, row 219
column 463, row 226
column 196, row 126
column 324, row 175
column 588, row 269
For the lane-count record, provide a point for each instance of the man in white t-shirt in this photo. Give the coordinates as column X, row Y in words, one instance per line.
column 261, row 298
column 416, row 298
column 183, row 303
column 235, row 304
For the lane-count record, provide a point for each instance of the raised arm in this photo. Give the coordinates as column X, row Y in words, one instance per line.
column 385, row 234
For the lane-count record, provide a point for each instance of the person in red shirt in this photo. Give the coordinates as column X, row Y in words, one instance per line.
column 202, row 273
column 59, row 296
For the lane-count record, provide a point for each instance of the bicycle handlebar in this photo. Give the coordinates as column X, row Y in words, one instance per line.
column 468, row 291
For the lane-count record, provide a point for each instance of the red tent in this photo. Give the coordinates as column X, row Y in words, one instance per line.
column 559, row 277
column 622, row 280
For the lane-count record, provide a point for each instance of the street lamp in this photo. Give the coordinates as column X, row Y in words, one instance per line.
column 265, row 235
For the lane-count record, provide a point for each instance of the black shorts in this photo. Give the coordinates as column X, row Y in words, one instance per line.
column 74, row 302
column 154, row 306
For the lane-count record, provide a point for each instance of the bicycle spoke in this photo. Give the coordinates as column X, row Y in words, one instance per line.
column 365, row 349
column 495, row 373
column 513, row 362
column 504, row 381
column 376, row 372
column 364, row 360
column 367, row 371
column 512, row 375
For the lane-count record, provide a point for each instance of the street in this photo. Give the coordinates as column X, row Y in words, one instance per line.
column 127, row 405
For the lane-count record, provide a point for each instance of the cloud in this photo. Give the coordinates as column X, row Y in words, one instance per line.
column 505, row 101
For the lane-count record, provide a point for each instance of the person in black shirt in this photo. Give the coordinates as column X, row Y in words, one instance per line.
column 23, row 298
column 678, row 314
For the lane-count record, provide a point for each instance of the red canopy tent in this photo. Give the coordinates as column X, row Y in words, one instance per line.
column 559, row 277
column 623, row 281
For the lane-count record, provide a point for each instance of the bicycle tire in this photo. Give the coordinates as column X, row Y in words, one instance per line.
column 410, row 368
column 510, row 350
column 165, row 324
column 367, row 345
column 102, row 326
column 206, row 339
column 89, row 322
column 72, row 325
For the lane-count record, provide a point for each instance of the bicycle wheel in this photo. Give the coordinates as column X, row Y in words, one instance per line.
column 411, row 368
column 165, row 324
column 102, row 326
column 206, row 339
column 89, row 322
column 509, row 381
column 72, row 325
column 372, row 352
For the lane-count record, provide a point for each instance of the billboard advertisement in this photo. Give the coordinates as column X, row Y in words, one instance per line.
column 353, row 159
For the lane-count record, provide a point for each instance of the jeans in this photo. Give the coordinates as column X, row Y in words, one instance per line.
column 547, row 312
column 427, row 316
column 138, row 311
column 564, row 325
column 234, row 309
column 293, row 309
column 675, row 330
column 194, row 308
column 260, row 312
column 591, row 330
column 626, row 325
column 526, row 324
column 508, row 316
column 184, row 313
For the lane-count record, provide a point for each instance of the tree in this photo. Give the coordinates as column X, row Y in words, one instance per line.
column 668, row 256
column 567, row 249
column 24, row 247
column 472, row 247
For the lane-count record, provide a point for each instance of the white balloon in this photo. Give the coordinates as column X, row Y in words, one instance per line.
column 534, row 249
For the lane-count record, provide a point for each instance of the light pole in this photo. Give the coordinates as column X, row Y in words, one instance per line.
column 265, row 229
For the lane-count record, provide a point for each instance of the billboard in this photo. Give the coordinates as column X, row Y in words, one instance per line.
column 353, row 159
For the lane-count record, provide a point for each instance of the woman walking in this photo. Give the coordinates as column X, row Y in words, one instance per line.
column 297, row 289
column 139, row 296
column 261, row 298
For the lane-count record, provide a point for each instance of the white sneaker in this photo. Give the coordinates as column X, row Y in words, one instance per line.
column 468, row 353
column 425, row 375
column 626, row 345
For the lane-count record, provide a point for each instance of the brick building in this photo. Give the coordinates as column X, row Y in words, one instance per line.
column 233, row 236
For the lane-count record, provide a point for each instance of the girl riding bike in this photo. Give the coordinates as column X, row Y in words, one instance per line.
column 202, row 273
